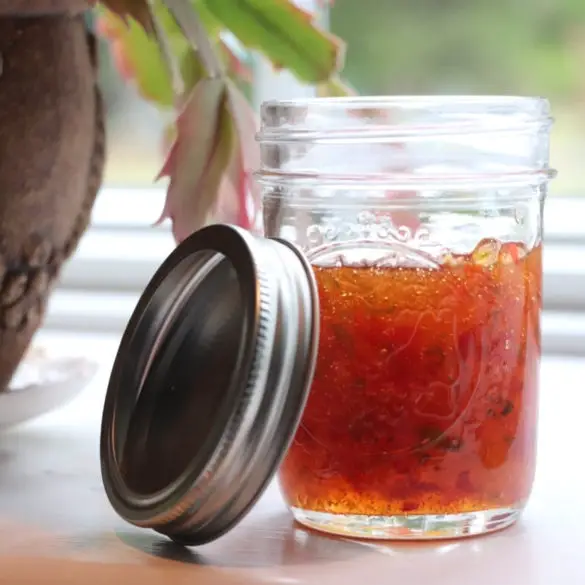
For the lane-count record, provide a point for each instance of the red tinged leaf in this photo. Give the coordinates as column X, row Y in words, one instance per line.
column 240, row 196
column 402, row 218
column 211, row 161
column 235, row 66
column 137, row 57
column 136, row 9
column 122, row 60
column 197, row 158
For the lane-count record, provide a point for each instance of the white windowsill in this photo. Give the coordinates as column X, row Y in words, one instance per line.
column 60, row 530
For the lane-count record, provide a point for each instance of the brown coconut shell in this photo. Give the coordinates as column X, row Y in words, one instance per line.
column 41, row 7
column 51, row 160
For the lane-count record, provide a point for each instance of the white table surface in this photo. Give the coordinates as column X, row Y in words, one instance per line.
column 56, row 526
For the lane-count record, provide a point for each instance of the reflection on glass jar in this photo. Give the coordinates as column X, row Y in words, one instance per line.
column 422, row 218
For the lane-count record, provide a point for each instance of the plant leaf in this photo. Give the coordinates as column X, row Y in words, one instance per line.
column 335, row 87
column 137, row 57
column 235, row 66
column 198, row 158
column 240, row 196
column 284, row 33
column 211, row 161
column 136, row 9
column 192, row 70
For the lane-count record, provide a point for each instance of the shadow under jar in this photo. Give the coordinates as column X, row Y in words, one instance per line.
column 422, row 218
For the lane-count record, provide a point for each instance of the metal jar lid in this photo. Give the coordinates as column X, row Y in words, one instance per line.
column 209, row 383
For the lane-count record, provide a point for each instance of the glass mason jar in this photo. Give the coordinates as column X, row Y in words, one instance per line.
column 422, row 218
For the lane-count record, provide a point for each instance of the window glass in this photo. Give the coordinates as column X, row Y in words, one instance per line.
column 522, row 47
column 135, row 148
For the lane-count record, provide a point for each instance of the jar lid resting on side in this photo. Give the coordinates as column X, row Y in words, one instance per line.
column 209, row 383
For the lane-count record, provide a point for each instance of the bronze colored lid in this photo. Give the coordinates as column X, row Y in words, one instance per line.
column 209, row 383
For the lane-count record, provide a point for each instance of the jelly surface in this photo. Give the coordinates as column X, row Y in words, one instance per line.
column 424, row 399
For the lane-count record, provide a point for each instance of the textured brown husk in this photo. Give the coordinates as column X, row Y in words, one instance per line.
column 51, row 159
column 41, row 7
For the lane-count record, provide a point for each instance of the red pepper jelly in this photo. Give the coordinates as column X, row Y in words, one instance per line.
column 424, row 401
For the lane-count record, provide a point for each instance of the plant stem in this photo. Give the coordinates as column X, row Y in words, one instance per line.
column 187, row 18
column 167, row 54
column 335, row 87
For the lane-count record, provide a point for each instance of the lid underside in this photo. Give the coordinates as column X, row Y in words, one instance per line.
column 209, row 383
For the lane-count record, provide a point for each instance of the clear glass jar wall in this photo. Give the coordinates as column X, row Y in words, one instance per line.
column 422, row 218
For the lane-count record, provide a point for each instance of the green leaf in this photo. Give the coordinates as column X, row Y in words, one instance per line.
column 136, row 9
column 212, row 25
column 284, row 33
column 209, row 21
column 335, row 87
column 137, row 56
column 192, row 70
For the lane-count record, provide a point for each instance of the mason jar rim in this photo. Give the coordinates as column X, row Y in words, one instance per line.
column 537, row 104
column 325, row 119
column 311, row 134
column 403, row 100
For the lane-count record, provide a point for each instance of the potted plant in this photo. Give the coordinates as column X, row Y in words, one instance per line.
column 52, row 122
